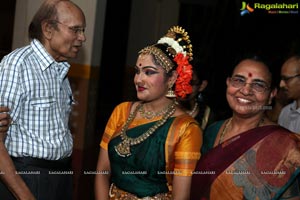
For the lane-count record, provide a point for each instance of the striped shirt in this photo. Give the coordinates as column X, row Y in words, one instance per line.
column 290, row 117
column 36, row 89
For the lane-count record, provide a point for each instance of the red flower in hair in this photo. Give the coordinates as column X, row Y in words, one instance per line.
column 185, row 72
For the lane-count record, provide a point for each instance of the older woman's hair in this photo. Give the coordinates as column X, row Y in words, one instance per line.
column 258, row 58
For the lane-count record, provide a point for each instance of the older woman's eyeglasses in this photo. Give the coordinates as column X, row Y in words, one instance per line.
column 77, row 30
column 257, row 86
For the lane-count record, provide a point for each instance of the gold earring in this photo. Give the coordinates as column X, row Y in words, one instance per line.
column 170, row 93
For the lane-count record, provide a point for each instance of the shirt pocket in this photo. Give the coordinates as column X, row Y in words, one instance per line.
column 41, row 114
column 42, row 103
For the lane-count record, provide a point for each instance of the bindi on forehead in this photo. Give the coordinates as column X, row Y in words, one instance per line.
column 141, row 59
column 249, row 74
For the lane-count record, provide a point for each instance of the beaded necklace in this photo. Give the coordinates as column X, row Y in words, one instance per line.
column 123, row 148
column 151, row 114
column 193, row 110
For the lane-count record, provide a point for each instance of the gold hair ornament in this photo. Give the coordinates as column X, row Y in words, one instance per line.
column 175, row 36
column 160, row 56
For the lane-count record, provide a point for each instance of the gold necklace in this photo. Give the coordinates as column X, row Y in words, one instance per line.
column 193, row 110
column 151, row 114
column 123, row 148
column 261, row 121
column 224, row 130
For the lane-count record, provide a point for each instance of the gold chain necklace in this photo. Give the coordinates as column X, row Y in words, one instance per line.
column 224, row 130
column 123, row 148
column 261, row 121
column 151, row 114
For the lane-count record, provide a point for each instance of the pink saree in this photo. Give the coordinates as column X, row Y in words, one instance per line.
column 260, row 163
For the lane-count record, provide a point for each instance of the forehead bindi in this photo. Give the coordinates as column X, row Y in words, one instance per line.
column 251, row 69
column 145, row 60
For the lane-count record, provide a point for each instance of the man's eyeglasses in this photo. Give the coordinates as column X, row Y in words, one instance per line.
column 287, row 78
column 75, row 29
column 256, row 86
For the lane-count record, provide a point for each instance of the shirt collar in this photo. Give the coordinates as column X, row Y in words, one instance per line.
column 45, row 58
column 293, row 107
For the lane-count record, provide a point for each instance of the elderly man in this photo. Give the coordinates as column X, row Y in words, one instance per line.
column 35, row 87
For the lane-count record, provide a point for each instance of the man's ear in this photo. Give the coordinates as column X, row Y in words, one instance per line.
column 47, row 29
column 272, row 95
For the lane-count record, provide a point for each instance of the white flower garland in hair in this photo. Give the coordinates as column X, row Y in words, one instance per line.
column 172, row 43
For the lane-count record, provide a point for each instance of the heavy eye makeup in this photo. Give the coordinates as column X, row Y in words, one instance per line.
column 147, row 70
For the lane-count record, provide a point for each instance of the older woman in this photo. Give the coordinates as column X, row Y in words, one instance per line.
column 150, row 147
column 247, row 156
